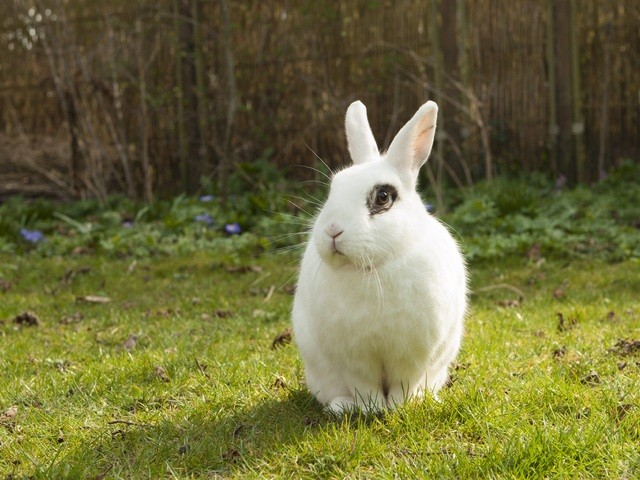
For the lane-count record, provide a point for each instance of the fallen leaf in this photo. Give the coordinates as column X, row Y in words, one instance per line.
column 559, row 352
column 622, row 410
column 591, row 379
column 93, row 299
column 202, row 368
column 534, row 253
column 224, row 313
column 626, row 347
column 279, row 384
column 283, row 338
column 510, row 303
column 73, row 318
column 559, row 293
column 164, row 312
column 130, row 343
column 565, row 324
column 102, row 475
column 9, row 415
column 309, row 422
column 70, row 274
column 28, row 319
column 162, row 373
column 245, row 269
column 5, row 285
column 80, row 250
column 231, row 455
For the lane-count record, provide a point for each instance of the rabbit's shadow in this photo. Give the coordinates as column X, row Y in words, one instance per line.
column 203, row 441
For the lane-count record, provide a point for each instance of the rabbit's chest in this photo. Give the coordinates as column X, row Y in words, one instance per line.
column 372, row 322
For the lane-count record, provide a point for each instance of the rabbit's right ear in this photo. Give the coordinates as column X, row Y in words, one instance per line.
column 362, row 145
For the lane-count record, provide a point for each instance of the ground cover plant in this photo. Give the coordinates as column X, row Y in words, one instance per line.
column 151, row 341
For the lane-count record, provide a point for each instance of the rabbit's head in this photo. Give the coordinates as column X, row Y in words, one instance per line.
column 373, row 212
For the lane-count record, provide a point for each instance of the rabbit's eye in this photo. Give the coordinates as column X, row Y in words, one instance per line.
column 381, row 198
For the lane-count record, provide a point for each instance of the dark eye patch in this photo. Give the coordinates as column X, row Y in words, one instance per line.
column 381, row 198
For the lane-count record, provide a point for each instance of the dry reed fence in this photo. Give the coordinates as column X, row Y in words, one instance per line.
column 148, row 98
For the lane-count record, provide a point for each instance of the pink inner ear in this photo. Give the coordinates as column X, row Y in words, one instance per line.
column 422, row 142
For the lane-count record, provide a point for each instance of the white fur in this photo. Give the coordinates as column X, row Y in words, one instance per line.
column 381, row 305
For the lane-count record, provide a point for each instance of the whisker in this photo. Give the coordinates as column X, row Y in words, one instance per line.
column 313, row 169
column 318, row 157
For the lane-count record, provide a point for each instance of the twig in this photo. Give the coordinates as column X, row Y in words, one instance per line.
column 499, row 286
column 126, row 422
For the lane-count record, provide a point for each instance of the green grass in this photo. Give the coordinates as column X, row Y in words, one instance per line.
column 202, row 394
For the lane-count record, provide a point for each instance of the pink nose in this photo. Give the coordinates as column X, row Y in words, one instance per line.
column 334, row 231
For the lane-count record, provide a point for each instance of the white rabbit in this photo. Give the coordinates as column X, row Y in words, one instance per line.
column 381, row 296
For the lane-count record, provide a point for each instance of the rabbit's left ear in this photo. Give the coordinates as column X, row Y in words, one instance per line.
column 362, row 145
column 411, row 147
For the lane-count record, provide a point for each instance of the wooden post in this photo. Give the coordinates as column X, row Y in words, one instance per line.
column 551, row 63
column 563, row 64
column 203, row 106
column 465, row 77
column 226, row 160
column 438, row 84
column 577, row 127
column 192, row 160
column 604, row 114
column 144, row 113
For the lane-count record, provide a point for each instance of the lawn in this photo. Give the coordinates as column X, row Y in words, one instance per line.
column 179, row 366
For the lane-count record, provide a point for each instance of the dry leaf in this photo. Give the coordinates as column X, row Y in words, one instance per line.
column 70, row 274
column 93, row 299
column 626, row 347
column 130, row 343
column 9, row 415
column 162, row 373
column 279, row 384
column 73, row 318
column 28, row 319
column 559, row 352
column 565, row 324
column 245, row 269
column 510, row 303
column 281, row 339
column 5, row 285
column 591, row 379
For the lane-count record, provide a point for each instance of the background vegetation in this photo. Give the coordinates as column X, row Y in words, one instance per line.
column 155, row 98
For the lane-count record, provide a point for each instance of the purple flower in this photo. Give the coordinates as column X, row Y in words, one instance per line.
column 233, row 228
column 127, row 224
column 204, row 218
column 430, row 208
column 32, row 236
column 561, row 182
column 206, row 198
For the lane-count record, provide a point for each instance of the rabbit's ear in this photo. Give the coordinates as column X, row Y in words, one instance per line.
column 362, row 145
column 411, row 147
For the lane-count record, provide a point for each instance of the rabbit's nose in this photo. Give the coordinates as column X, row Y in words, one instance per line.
column 334, row 231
